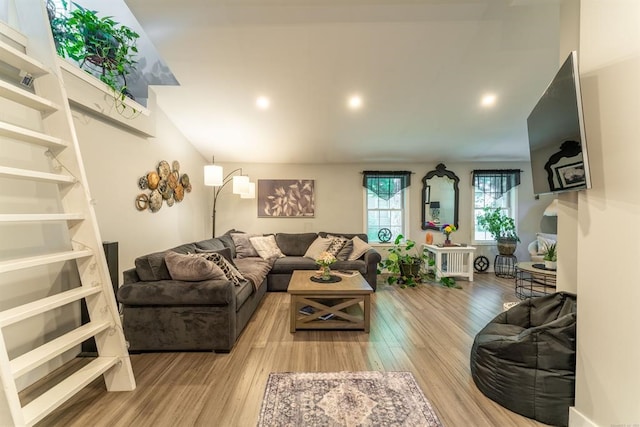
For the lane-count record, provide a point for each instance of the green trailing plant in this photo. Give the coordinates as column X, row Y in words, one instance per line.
column 499, row 225
column 406, row 263
column 100, row 45
column 551, row 254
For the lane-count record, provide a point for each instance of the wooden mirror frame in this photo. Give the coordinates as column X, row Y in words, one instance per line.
column 440, row 171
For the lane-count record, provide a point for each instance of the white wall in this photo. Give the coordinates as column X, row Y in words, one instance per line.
column 609, row 217
column 340, row 201
column 115, row 159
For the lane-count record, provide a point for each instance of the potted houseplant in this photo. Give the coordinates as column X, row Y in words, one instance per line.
column 502, row 228
column 100, row 46
column 403, row 262
column 551, row 257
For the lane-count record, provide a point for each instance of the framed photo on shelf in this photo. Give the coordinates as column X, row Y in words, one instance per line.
column 570, row 175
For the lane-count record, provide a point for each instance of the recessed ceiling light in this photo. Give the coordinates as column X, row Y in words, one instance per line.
column 263, row 102
column 355, row 102
column 488, row 100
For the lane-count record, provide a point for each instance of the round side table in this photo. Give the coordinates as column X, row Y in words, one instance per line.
column 505, row 266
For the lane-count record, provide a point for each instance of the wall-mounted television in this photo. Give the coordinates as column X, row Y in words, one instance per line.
column 557, row 143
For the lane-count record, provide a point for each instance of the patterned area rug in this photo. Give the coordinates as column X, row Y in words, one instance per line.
column 345, row 399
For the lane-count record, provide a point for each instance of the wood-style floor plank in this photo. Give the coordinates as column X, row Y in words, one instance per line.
column 428, row 331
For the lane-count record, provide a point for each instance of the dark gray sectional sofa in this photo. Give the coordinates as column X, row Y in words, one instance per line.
column 160, row 313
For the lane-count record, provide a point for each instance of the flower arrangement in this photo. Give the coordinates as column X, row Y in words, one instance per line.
column 447, row 229
column 326, row 259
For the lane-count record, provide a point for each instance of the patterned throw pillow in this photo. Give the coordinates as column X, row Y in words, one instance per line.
column 230, row 272
column 337, row 243
column 266, row 246
column 346, row 250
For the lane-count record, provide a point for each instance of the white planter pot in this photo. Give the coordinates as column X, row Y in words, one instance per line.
column 550, row 265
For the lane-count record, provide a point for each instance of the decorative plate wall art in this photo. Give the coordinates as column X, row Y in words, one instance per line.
column 164, row 184
column 286, row 198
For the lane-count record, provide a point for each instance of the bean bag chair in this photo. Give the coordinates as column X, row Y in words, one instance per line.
column 525, row 358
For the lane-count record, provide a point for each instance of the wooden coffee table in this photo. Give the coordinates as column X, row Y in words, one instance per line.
column 341, row 299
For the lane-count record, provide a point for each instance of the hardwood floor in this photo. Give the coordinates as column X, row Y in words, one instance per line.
column 426, row 330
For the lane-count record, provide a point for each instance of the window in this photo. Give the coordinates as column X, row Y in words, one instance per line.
column 386, row 202
column 494, row 189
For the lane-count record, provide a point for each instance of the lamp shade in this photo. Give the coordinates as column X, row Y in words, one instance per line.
column 213, row 175
column 240, row 184
column 251, row 194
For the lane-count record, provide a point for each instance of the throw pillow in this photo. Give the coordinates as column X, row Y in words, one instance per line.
column 543, row 244
column 244, row 248
column 337, row 243
column 190, row 268
column 317, row 247
column 226, row 252
column 346, row 250
column 266, row 246
column 231, row 273
column 359, row 248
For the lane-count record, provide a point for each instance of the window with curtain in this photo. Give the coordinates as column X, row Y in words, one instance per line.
column 494, row 189
column 386, row 202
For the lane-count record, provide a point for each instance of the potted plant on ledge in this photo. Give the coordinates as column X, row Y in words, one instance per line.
column 502, row 228
column 551, row 257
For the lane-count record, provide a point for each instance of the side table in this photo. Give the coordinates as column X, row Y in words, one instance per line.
column 505, row 266
column 452, row 260
column 533, row 280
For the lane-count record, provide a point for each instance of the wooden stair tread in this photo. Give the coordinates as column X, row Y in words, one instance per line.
column 21, row 60
column 36, row 357
column 8, row 172
column 57, row 395
column 25, row 311
column 34, row 261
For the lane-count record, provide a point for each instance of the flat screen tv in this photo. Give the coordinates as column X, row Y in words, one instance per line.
column 557, row 144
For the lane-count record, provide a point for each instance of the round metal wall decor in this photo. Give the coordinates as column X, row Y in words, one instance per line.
column 384, row 235
column 164, row 184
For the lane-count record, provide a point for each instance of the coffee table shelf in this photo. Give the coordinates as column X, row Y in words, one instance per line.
column 532, row 281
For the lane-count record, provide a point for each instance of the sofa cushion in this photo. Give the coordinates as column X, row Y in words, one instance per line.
column 362, row 236
column 266, row 246
column 176, row 292
column 357, row 264
column 244, row 248
column 210, row 245
column 227, row 241
column 152, row 267
column 187, row 248
column 191, row 268
column 295, row 244
column 290, row 263
column 320, row 245
column 254, row 269
column 243, row 292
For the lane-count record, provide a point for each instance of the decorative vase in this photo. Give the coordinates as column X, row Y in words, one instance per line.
column 551, row 265
column 326, row 272
column 447, row 239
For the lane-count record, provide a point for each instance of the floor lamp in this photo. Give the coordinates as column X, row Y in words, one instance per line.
column 214, row 177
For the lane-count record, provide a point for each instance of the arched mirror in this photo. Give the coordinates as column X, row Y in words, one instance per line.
column 439, row 198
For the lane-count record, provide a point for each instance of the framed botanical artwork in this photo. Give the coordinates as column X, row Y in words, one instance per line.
column 570, row 175
column 291, row 198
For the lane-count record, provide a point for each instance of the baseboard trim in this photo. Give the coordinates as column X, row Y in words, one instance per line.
column 578, row 419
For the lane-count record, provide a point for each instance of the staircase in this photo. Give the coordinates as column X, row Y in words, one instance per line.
column 51, row 135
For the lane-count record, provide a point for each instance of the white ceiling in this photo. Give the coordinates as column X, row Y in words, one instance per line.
column 421, row 67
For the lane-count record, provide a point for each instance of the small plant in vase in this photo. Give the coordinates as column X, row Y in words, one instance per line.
column 551, row 257
column 324, row 261
column 447, row 229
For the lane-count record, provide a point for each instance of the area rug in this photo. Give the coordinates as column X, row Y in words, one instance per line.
column 345, row 399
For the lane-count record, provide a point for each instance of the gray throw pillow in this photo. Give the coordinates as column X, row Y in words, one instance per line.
column 244, row 248
column 190, row 268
